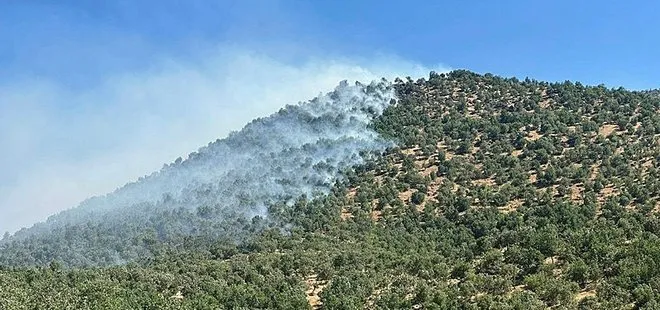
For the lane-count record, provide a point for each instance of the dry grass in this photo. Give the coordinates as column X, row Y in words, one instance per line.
column 484, row 182
column 411, row 151
column 607, row 129
column 517, row 288
column 545, row 103
column 433, row 190
column 513, row 205
column 533, row 135
column 576, row 192
column 345, row 215
column 427, row 171
column 595, row 170
column 647, row 164
column 314, row 288
column 606, row 192
column 533, row 177
column 584, row 294
column 552, row 260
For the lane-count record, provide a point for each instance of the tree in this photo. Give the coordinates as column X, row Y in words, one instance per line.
column 417, row 197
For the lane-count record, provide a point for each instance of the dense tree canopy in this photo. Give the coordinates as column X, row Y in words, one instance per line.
column 500, row 194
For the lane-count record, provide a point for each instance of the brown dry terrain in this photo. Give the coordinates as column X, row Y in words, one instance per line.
column 424, row 163
column 314, row 288
column 566, row 174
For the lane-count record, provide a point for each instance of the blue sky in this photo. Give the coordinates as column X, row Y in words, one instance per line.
column 97, row 93
column 611, row 42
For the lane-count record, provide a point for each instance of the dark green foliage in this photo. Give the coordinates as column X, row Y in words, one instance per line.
column 502, row 194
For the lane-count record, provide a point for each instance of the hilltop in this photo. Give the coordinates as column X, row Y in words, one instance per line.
column 467, row 191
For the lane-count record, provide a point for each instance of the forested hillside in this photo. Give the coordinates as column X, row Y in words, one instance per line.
column 495, row 193
column 221, row 191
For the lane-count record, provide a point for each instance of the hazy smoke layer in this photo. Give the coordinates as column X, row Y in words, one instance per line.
column 299, row 150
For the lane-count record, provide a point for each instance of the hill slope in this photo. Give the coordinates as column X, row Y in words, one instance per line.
column 500, row 194
column 218, row 190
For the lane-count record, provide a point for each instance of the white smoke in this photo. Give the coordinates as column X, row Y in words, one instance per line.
column 299, row 150
column 63, row 145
